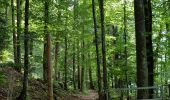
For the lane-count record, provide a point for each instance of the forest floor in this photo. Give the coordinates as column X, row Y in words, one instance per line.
column 11, row 83
column 92, row 95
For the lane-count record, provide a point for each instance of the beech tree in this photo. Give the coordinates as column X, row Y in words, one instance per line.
column 149, row 47
column 142, row 74
column 18, row 33
column 97, row 50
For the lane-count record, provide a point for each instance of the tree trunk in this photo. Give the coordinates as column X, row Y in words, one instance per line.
column 49, row 70
column 56, row 61
column 90, row 74
column 45, row 61
column 142, row 74
column 125, row 50
column 26, row 55
column 78, row 65
column 18, row 33
column 74, row 56
column 57, row 69
column 97, row 50
column 105, row 85
column 6, row 16
column 65, row 65
column 23, row 94
column 149, row 47
column 47, row 55
column 82, row 68
column 31, row 44
column 13, row 31
column 74, row 51
column 83, row 49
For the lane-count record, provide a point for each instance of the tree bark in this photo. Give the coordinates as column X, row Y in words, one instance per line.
column 90, row 73
column 74, row 47
column 23, row 94
column 49, row 70
column 26, row 47
column 97, row 50
column 18, row 33
column 45, row 61
column 56, row 61
column 31, row 44
column 47, row 53
column 149, row 47
column 14, row 33
column 125, row 50
column 78, row 65
column 105, row 84
column 82, row 68
column 83, row 49
column 74, row 56
column 142, row 73
column 65, row 65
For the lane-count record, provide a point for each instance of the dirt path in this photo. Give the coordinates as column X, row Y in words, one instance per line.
column 92, row 95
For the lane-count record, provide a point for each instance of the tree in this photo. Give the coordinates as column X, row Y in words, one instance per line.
column 83, row 49
column 142, row 74
column 23, row 95
column 13, row 31
column 125, row 50
column 47, row 54
column 74, row 47
column 97, row 50
column 18, row 33
column 90, row 73
column 74, row 59
column 65, row 64
column 78, row 66
column 149, row 47
column 105, row 84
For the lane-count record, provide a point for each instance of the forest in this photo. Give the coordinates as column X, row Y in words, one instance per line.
column 84, row 49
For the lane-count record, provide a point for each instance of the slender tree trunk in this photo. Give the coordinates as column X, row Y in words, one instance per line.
column 149, row 47
column 125, row 51
column 112, row 80
column 82, row 68
column 56, row 60
column 65, row 65
column 18, row 33
column 142, row 74
column 26, row 55
column 78, row 65
column 23, row 94
column 57, row 69
column 74, row 48
column 31, row 44
column 6, row 16
column 13, row 31
column 45, row 61
column 97, row 50
column 74, row 58
column 83, row 49
column 90, row 73
column 105, row 84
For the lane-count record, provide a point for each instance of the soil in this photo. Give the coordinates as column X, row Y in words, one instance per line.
column 37, row 90
column 92, row 95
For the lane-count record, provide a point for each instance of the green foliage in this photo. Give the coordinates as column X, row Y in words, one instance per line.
column 11, row 64
column 3, row 79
